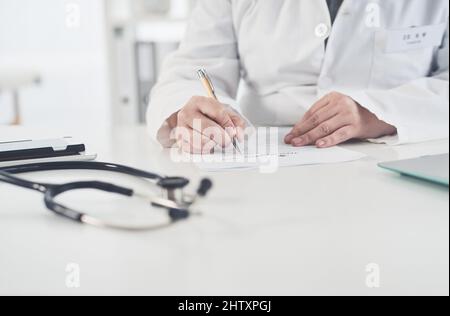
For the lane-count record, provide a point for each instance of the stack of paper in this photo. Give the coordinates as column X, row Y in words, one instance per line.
column 271, row 155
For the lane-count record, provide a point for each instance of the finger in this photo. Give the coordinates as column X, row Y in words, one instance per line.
column 217, row 112
column 237, row 119
column 210, row 129
column 194, row 140
column 196, row 143
column 324, row 101
column 321, row 131
column 202, row 144
column 313, row 122
column 179, row 134
column 240, row 124
column 340, row 136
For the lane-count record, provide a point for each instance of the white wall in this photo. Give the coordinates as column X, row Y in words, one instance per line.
column 45, row 35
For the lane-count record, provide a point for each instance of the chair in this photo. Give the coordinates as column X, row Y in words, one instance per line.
column 11, row 81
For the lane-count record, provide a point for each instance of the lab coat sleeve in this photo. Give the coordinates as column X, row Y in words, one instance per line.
column 419, row 110
column 209, row 43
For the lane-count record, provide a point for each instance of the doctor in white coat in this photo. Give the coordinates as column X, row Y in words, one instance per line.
column 335, row 70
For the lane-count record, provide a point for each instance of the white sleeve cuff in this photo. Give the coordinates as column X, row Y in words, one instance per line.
column 389, row 140
column 400, row 138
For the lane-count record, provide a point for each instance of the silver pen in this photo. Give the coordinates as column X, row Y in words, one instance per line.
column 207, row 83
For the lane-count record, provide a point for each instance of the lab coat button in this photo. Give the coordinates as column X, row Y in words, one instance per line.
column 322, row 30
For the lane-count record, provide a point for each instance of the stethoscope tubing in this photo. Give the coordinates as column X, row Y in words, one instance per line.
column 81, row 165
column 51, row 191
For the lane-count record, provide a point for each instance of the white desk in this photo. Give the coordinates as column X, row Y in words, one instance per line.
column 306, row 230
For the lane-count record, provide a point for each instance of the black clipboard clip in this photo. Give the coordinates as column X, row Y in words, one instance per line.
column 22, row 152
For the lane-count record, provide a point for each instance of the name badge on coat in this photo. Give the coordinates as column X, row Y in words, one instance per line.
column 415, row 38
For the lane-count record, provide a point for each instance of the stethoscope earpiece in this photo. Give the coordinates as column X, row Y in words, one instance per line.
column 205, row 186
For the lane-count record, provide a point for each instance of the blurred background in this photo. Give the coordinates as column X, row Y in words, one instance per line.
column 89, row 62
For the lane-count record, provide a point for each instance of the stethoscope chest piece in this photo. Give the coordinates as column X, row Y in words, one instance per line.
column 173, row 190
column 173, row 183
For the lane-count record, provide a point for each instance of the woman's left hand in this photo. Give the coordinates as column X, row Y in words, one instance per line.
column 334, row 119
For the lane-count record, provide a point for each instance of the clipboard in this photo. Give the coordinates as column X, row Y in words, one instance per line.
column 20, row 152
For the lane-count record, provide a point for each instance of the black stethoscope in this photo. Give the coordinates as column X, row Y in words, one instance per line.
column 173, row 199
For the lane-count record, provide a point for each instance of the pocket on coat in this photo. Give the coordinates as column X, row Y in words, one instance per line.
column 404, row 54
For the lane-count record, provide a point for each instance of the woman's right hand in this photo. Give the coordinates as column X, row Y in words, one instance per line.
column 204, row 124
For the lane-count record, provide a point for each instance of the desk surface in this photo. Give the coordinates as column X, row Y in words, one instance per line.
column 306, row 230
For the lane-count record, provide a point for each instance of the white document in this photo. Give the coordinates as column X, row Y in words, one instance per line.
column 269, row 159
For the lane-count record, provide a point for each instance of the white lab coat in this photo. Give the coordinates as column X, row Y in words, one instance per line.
column 277, row 48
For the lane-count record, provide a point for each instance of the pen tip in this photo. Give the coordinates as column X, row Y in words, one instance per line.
column 201, row 73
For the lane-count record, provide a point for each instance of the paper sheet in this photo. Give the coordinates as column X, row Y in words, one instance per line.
column 273, row 158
